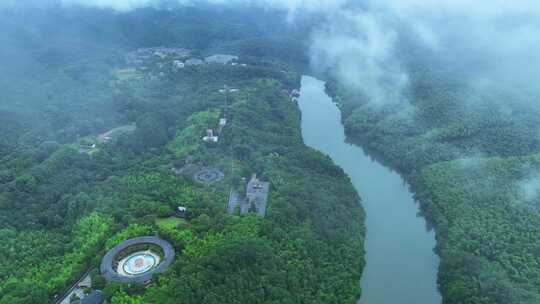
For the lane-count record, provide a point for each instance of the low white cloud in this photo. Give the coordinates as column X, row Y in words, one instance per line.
column 358, row 49
column 495, row 43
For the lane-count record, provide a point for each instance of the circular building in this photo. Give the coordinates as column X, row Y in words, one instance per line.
column 137, row 260
column 208, row 176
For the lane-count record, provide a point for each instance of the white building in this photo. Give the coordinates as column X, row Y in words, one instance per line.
column 178, row 64
column 222, row 122
column 181, row 212
column 210, row 136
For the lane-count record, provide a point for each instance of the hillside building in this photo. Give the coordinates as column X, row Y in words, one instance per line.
column 178, row 64
column 255, row 200
column 222, row 124
column 210, row 137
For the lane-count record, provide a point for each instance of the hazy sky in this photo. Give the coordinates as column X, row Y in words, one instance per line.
column 495, row 41
column 125, row 5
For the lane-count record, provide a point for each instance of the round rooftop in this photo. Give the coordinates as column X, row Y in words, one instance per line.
column 208, row 176
column 137, row 260
column 138, row 263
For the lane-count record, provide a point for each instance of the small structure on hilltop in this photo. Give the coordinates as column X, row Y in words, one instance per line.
column 257, row 194
column 256, row 199
column 181, row 212
column 210, row 137
column 220, row 59
column 227, row 89
column 222, row 124
column 178, row 64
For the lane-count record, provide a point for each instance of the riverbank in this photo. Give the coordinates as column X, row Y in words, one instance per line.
column 487, row 231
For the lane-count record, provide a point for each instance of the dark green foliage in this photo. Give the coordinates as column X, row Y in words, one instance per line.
column 486, row 232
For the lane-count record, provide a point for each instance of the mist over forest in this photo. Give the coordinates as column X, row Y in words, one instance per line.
column 105, row 105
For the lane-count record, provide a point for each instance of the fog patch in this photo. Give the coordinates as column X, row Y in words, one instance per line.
column 491, row 46
column 358, row 49
column 528, row 188
column 372, row 45
column 476, row 162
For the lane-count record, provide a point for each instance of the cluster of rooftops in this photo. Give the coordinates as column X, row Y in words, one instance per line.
column 212, row 136
column 180, row 57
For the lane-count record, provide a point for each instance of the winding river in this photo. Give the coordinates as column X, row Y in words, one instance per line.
column 401, row 267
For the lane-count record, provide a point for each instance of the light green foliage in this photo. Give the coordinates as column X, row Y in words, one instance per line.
column 189, row 140
column 89, row 235
column 18, row 249
column 54, row 273
column 170, row 223
column 123, row 298
column 160, row 186
column 133, row 230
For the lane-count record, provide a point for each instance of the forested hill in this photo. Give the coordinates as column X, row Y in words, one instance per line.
column 472, row 159
column 96, row 151
column 65, row 55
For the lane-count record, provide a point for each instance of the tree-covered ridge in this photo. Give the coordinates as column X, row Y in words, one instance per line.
column 263, row 136
column 466, row 153
column 487, row 229
column 56, row 65
column 63, row 209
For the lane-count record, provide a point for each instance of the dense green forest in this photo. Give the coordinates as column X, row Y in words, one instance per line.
column 96, row 149
column 471, row 156
column 67, row 195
